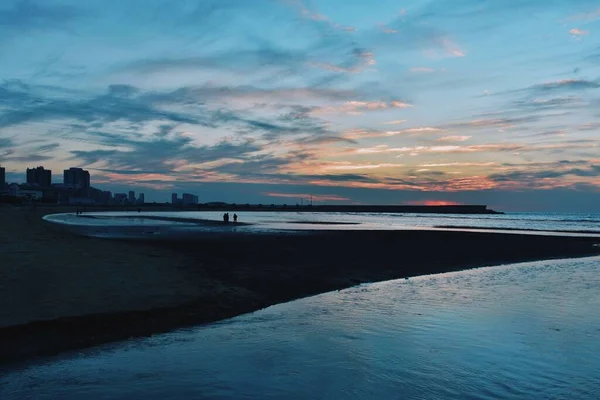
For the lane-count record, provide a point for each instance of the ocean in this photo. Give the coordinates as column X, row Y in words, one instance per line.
column 101, row 223
column 523, row 331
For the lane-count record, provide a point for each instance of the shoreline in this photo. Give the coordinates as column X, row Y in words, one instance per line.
column 591, row 232
column 64, row 292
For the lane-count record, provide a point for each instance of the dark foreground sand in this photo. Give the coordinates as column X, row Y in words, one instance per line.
column 59, row 291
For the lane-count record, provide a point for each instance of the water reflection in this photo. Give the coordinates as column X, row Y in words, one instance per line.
column 523, row 331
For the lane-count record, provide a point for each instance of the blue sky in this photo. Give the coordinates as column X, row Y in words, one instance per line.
column 352, row 101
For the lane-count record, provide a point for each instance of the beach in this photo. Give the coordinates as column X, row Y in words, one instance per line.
column 62, row 292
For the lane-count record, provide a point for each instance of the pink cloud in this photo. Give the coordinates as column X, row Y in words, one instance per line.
column 355, row 167
column 453, row 139
column 363, row 133
column 315, row 16
column 578, row 32
column 395, row 122
column 365, row 59
column 460, row 164
column 357, row 107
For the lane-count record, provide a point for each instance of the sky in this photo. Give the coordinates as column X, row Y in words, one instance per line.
column 491, row 102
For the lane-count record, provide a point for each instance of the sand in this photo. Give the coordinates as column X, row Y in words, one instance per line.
column 61, row 291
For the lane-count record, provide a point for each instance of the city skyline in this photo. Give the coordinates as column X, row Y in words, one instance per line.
column 419, row 102
column 76, row 188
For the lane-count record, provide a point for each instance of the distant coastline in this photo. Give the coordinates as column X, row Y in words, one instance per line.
column 358, row 208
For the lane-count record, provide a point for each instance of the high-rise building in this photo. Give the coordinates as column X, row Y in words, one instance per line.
column 39, row 177
column 174, row 199
column 131, row 197
column 120, row 198
column 2, row 177
column 77, row 177
column 189, row 199
column 141, row 199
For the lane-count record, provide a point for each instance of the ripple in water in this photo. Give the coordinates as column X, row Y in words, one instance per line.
column 522, row 331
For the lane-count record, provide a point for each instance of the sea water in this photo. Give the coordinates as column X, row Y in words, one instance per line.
column 524, row 331
column 135, row 224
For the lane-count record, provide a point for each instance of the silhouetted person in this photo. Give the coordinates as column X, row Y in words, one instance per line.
column 226, row 217
column 234, row 218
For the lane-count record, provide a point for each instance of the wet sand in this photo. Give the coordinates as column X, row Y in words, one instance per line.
column 62, row 292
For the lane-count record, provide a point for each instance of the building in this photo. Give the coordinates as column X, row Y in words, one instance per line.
column 39, row 177
column 105, row 198
column 131, row 197
column 141, row 199
column 174, row 199
column 2, row 177
column 77, row 178
column 120, row 198
column 15, row 191
column 189, row 199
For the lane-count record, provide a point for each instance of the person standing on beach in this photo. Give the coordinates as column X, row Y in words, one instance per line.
column 234, row 218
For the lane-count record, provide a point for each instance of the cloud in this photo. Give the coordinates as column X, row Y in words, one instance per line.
column 422, row 70
column 360, row 59
column 46, row 147
column 589, row 16
column 327, row 140
column 163, row 154
column 358, row 107
column 26, row 15
column 578, row 32
column 566, row 84
column 101, row 108
column 33, row 158
column 395, row 122
column 232, row 60
column 298, row 196
column 561, row 103
column 356, row 167
column 453, row 139
column 478, row 148
column 504, row 122
column 312, row 15
column 460, row 164
column 5, row 142
column 363, row 133
column 532, row 176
